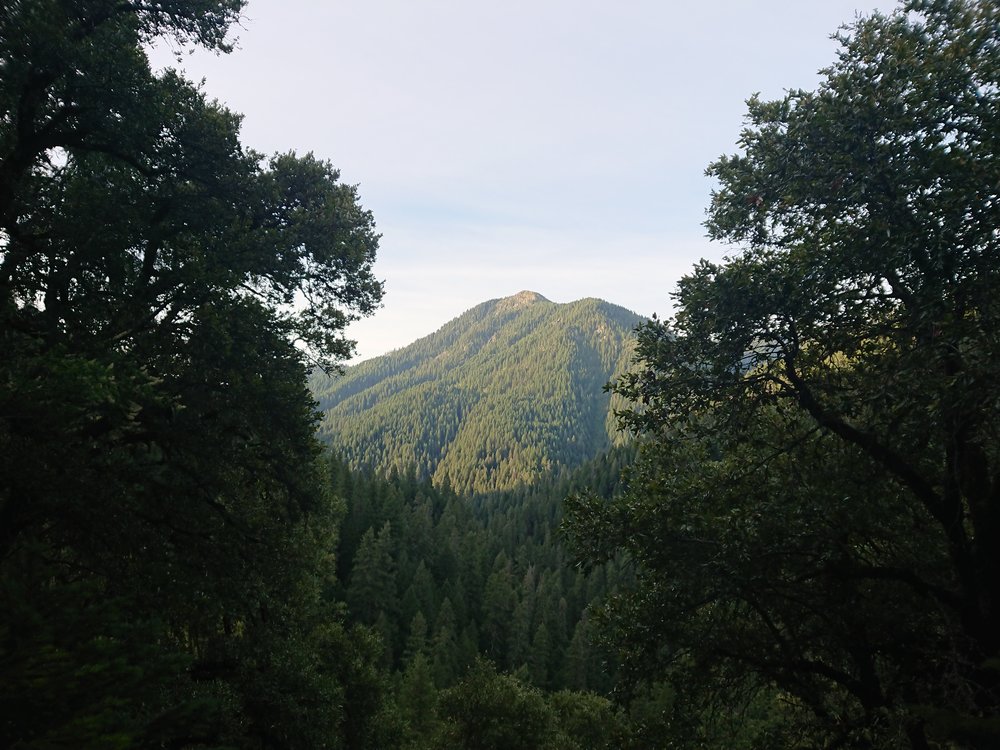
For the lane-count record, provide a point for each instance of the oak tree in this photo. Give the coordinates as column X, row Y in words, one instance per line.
column 817, row 512
column 163, row 289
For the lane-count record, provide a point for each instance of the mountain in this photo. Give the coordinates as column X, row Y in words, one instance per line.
column 502, row 395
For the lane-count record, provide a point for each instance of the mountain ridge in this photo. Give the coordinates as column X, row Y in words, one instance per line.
column 507, row 391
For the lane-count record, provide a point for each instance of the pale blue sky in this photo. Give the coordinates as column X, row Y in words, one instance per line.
column 554, row 145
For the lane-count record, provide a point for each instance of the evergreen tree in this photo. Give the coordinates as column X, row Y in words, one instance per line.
column 416, row 641
column 418, row 703
column 540, row 656
column 498, row 606
column 372, row 587
column 444, row 648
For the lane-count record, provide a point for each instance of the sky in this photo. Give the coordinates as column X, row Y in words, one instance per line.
column 557, row 146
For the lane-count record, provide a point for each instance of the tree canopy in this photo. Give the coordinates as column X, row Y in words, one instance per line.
column 502, row 396
column 816, row 516
column 163, row 520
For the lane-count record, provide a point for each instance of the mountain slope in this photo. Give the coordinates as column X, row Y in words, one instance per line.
column 505, row 393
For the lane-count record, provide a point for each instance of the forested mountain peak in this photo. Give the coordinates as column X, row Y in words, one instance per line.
column 521, row 299
column 501, row 395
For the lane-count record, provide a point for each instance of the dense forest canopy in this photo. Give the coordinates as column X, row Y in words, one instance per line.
column 816, row 517
column 503, row 396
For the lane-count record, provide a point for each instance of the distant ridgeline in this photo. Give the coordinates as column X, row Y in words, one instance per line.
column 508, row 392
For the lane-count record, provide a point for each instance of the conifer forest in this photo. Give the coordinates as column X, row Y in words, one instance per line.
column 768, row 520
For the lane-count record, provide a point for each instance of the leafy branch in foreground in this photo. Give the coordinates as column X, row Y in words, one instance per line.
column 164, row 527
column 816, row 515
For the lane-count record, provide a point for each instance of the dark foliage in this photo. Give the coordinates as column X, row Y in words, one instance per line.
column 815, row 519
column 164, row 524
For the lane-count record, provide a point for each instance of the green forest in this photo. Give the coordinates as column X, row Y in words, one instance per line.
column 769, row 520
column 501, row 397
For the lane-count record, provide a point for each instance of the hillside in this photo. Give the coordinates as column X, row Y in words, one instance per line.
column 506, row 393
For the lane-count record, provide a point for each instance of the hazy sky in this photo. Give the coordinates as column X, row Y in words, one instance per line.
column 552, row 145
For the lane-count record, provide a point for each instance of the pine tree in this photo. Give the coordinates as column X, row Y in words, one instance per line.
column 372, row 587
